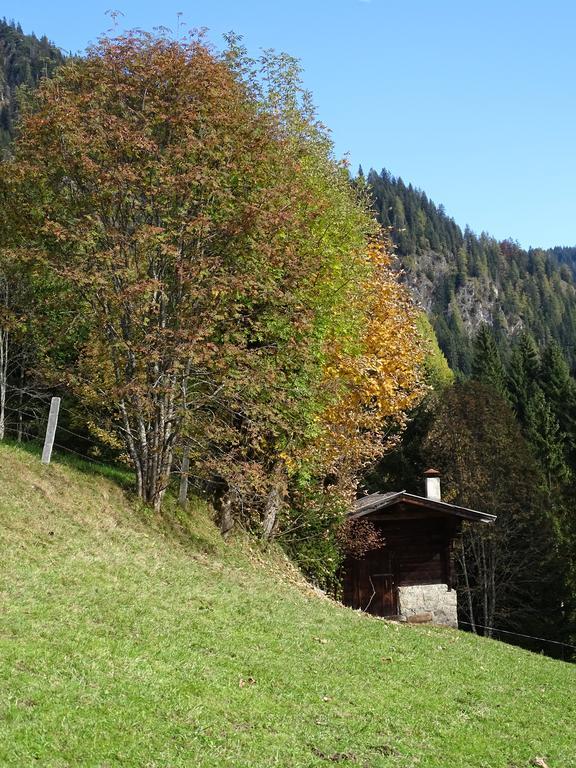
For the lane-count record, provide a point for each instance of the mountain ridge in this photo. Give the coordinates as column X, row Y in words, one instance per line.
column 464, row 280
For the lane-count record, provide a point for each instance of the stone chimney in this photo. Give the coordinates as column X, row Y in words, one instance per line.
column 432, row 484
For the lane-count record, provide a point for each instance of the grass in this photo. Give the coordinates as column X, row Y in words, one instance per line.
column 127, row 640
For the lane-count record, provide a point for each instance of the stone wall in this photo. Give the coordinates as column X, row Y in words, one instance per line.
column 428, row 603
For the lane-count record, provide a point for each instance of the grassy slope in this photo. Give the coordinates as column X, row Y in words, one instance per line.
column 129, row 642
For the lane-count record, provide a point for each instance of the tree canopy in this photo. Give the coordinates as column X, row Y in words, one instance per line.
column 227, row 291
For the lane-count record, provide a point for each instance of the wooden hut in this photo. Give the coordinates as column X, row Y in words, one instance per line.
column 411, row 576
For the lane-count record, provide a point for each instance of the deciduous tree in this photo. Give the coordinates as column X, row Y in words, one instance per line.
column 147, row 177
column 218, row 260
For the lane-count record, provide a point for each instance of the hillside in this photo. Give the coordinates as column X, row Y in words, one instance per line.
column 464, row 280
column 128, row 640
column 24, row 60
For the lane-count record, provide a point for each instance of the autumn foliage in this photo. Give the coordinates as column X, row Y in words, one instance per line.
column 228, row 290
column 375, row 380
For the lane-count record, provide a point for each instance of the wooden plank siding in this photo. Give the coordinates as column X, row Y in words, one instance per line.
column 417, row 551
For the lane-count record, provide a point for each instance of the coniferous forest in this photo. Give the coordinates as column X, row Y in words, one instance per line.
column 24, row 60
column 465, row 280
column 188, row 267
column 503, row 434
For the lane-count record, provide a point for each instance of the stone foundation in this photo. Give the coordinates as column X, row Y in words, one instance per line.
column 428, row 603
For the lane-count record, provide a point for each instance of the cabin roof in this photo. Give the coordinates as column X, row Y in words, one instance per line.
column 375, row 502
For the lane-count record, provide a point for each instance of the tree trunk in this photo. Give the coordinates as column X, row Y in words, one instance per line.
column 485, row 591
column 226, row 516
column 492, row 593
column 273, row 503
column 3, row 379
column 131, row 444
column 271, row 509
column 468, row 592
column 20, row 426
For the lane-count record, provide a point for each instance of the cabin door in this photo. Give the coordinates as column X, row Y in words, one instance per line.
column 379, row 588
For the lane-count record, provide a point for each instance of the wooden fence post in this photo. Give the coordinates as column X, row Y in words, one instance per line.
column 51, row 430
column 183, row 495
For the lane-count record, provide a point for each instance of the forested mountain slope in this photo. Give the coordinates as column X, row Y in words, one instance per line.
column 24, row 60
column 464, row 280
column 506, row 319
column 565, row 255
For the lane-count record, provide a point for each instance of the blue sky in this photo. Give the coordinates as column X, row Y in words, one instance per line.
column 474, row 102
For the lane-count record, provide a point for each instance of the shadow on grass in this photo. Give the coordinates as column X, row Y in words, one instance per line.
column 181, row 525
column 117, row 474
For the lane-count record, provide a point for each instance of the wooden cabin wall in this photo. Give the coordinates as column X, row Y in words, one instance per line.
column 417, row 551
column 420, row 551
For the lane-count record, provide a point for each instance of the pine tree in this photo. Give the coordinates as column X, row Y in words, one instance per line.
column 24, row 61
column 535, row 290
column 486, row 463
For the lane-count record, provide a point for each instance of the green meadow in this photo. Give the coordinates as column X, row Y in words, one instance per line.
column 128, row 639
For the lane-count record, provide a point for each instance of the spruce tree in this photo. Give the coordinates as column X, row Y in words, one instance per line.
column 486, row 363
column 549, row 442
column 523, row 373
column 508, row 572
column 559, row 387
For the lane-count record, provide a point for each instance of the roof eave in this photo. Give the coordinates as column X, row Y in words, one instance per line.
column 441, row 506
